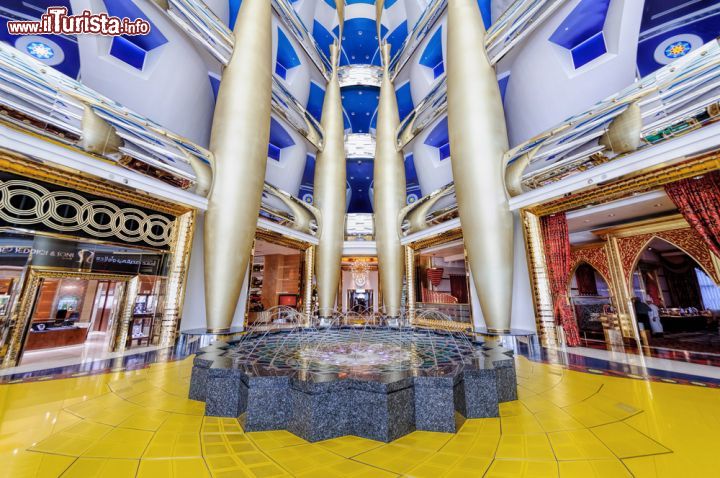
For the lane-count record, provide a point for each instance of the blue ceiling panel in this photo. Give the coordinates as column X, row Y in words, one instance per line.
column 315, row 100
column 360, row 104
column 287, row 57
column 360, row 176
column 59, row 52
column 663, row 39
column 660, row 12
column 360, row 44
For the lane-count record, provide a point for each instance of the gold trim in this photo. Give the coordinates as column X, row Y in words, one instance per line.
column 177, row 277
column 81, row 181
column 641, row 181
column 442, row 238
column 21, row 314
column 539, row 279
column 280, row 240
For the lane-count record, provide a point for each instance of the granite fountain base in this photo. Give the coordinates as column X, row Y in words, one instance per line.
column 382, row 386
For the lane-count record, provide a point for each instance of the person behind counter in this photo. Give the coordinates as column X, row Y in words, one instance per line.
column 642, row 313
column 654, row 315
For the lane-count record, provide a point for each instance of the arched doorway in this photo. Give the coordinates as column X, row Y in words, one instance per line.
column 591, row 304
column 676, row 302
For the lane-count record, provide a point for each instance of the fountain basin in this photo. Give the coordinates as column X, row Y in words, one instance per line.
column 376, row 383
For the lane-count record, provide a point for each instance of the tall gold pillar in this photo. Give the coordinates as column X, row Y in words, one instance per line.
column 307, row 283
column 410, row 282
column 389, row 184
column 478, row 141
column 330, row 195
column 239, row 142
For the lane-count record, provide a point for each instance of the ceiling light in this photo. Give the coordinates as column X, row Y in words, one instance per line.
column 611, row 215
column 586, row 220
column 657, row 205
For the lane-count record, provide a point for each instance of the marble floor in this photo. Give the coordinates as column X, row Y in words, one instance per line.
column 138, row 423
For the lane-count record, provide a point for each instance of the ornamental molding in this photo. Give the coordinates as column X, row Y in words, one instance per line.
column 25, row 204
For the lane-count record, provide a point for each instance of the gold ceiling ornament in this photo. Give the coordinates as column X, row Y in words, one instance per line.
column 81, row 181
column 390, row 193
column 276, row 238
column 624, row 134
column 330, row 194
column 43, row 207
column 478, row 140
column 239, row 139
column 98, row 136
column 437, row 240
column 638, row 182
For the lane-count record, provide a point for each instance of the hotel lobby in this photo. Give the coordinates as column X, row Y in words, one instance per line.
column 359, row 238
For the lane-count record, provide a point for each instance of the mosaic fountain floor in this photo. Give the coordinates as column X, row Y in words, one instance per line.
column 566, row 423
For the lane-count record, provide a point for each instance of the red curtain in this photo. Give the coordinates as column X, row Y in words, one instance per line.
column 458, row 287
column 698, row 199
column 585, row 276
column 557, row 256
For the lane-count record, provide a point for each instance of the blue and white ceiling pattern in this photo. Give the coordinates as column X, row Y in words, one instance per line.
column 670, row 29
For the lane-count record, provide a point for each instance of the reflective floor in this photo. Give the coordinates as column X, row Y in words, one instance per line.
column 566, row 423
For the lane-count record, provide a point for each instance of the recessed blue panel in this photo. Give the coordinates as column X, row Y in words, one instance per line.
column 126, row 51
column 585, row 21
column 127, row 9
column 234, row 8
column 404, row 100
column 432, row 56
column 322, row 37
column 486, row 12
column 589, row 50
column 439, row 138
column 397, row 37
column 215, row 85
column 503, row 84
column 287, row 57
column 315, row 101
column 279, row 140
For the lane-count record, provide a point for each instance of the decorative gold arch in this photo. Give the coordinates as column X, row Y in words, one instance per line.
column 685, row 239
column 596, row 257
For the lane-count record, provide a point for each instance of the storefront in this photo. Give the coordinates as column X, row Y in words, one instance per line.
column 280, row 278
column 629, row 266
column 438, row 278
column 86, row 268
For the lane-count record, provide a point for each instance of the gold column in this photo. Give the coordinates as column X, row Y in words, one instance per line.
column 239, row 141
column 410, row 280
column 307, row 283
column 125, row 317
column 389, row 180
column 330, row 195
column 622, row 290
column 540, row 280
column 177, row 277
column 478, row 140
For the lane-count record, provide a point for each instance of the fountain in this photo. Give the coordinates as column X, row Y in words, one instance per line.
column 353, row 377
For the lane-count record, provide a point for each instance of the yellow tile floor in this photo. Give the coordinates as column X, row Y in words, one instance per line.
column 565, row 424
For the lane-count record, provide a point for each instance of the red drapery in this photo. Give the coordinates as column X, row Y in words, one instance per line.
column 698, row 199
column 557, row 256
column 585, row 276
column 458, row 287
